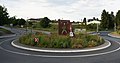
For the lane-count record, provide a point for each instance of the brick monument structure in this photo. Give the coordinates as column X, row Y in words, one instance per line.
column 64, row 27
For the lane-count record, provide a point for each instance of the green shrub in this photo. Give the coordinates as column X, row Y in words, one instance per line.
column 61, row 41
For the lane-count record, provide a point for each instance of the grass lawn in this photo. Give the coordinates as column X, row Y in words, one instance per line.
column 115, row 33
column 52, row 28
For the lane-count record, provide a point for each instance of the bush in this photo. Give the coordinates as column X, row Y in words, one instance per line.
column 45, row 22
column 61, row 41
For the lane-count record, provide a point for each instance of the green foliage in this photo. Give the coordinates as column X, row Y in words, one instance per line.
column 92, row 27
column 30, row 23
column 45, row 22
column 85, row 22
column 6, row 19
column 13, row 20
column 117, row 19
column 61, row 41
column 3, row 15
column 21, row 21
column 107, row 20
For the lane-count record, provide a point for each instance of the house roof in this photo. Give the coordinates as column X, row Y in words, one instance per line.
column 35, row 19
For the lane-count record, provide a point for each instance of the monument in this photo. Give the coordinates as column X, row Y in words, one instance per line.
column 65, row 27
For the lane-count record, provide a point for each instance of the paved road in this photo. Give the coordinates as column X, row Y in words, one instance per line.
column 9, row 54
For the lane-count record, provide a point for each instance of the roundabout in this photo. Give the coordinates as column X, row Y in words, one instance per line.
column 62, row 54
column 111, row 53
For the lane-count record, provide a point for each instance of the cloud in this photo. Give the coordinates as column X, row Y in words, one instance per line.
column 55, row 9
column 61, row 2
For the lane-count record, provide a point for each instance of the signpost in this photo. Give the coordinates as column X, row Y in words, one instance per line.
column 36, row 39
column 71, row 32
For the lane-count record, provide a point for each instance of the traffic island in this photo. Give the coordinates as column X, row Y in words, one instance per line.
column 114, row 34
column 63, row 41
column 16, row 44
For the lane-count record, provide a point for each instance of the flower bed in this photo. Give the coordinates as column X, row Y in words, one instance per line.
column 60, row 41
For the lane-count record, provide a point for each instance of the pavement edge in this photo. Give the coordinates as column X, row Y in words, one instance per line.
column 113, row 36
column 103, row 46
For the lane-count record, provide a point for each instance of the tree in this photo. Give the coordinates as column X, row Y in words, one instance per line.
column 118, row 19
column 104, row 22
column 3, row 16
column 94, row 18
column 21, row 21
column 45, row 22
column 85, row 23
column 107, row 20
column 13, row 20
column 30, row 23
column 111, row 20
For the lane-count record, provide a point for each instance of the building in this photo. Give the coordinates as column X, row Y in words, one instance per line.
column 35, row 19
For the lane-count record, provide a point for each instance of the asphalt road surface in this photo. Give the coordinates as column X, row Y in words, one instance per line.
column 10, row 54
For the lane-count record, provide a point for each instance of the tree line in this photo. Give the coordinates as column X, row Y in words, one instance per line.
column 109, row 20
column 5, row 18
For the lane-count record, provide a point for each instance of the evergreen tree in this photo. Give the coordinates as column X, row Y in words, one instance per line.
column 104, row 19
column 85, row 23
column 107, row 20
column 118, row 19
column 111, row 20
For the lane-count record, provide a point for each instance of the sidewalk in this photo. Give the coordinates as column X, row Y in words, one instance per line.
column 16, row 44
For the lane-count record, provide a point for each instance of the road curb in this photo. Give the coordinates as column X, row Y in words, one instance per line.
column 6, row 36
column 105, row 45
column 113, row 36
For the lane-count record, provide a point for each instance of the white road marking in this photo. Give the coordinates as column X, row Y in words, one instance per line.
column 61, row 56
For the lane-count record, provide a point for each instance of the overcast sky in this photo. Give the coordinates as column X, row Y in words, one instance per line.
column 58, row 9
